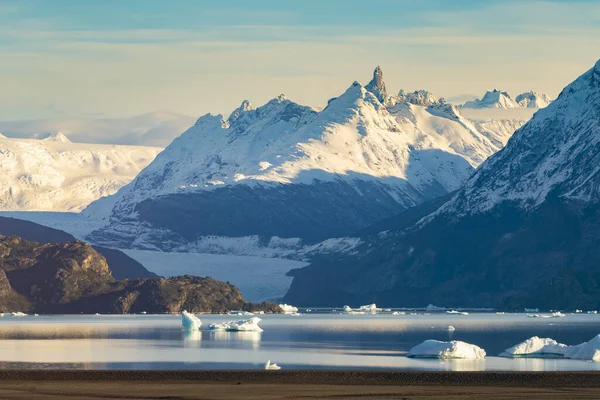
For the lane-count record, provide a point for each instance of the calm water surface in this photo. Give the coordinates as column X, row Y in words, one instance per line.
column 314, row 341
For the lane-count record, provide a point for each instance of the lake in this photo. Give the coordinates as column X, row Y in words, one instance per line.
column 308, row 341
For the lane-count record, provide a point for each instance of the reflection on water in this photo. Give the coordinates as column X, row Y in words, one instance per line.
column 309, row 341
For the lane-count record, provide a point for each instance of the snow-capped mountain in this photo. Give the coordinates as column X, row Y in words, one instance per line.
column 419, row 98
column 292, row 171
column 54, row 174
column 523, row 230
column 493, row 99
column 500, row 99
column 533, row 99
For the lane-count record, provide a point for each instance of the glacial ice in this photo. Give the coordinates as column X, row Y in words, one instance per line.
column 243, row 325
column 536, row 347
column 451, row 328
column 272, row 367
column 189, row 321
column 447, row 350
column 589, row 351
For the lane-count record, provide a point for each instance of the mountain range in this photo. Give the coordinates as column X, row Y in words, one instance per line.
column 500, row 99
column 523, row 231
column 53, row 174
column 283, row 170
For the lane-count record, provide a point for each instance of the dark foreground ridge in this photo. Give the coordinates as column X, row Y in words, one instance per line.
column 79, row 384
column 72, row 277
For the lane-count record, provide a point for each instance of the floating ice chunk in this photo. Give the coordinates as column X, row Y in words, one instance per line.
column 244, row 313
column 452, row 312
column 557, row 314
column 189, row 321
column 17, row 314
column 143, row 313
column 372, row 308
column 398, row 313
column 287, row 309
column 592, row 312
column 350, row 311
column 447, row 350
column 578, row 311
column 589, row 351
column 272, row 367
column 536, row 347
column 451, row 328
column 243, row 325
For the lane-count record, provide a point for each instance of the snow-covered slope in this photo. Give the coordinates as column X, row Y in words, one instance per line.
column 556, row 151
column 54, row 174
column 500, row 99
column 522, row 232
column 288, row 170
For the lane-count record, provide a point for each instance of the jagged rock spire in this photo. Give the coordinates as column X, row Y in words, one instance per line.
column 245, row 106
column 377, row 85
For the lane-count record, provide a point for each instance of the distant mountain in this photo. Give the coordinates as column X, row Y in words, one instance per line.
column 533, row 100
column 121, row 265
column 522, row 232
column 150, row 129
column 499, row 99
column 291, row 171
column 73, row 278
column 54, row 174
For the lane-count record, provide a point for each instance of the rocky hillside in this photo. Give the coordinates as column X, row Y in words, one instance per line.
column 72, row 277
column 121, row 265
column 522, row 232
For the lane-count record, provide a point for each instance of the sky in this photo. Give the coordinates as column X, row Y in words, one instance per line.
column 117, row 58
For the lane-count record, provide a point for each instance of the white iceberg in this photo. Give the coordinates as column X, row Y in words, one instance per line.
column 243, row 325
column 189, row 321
column 398, row 313
column 447, row 350
column 557, row 314
column 451, row 328
column 350, row 311
column 243, row 313
column 589, row 351
column 272, row 367
column 17, row 314
column 536, row 347
column 372, row 308
column 287, row 309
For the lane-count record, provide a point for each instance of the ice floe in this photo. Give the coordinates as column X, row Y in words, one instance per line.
column 189, row 321
column 451, row 328
column 243, row 325
column 557, row 314
column 536, row 347
column 447, row 350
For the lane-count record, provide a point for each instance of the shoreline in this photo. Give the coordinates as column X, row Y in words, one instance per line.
column 115, row 384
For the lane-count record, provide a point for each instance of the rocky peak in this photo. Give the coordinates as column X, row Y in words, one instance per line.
column 244, row 107
column 419, row 98
column 377, row 85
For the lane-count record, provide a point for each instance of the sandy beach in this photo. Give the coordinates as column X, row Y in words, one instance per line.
column 75, row 385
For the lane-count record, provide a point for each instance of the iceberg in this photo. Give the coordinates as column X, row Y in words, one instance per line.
column 447, row 350
column 536, row 347
column 350, row 311
column 589, row 351
column 372, row 308
column 451, row 328
column 398, row 313
column 189, row 321
column 243, row 313
column 272, row 367
column 17, row 314
column 287, row 309
column 243, row 325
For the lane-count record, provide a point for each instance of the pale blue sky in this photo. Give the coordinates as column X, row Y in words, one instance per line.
column 65, row 58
